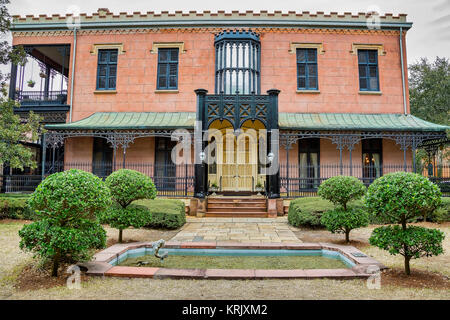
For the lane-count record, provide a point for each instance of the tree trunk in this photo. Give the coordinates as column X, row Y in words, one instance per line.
column 56, row 263
column 120, row 235
column 347, row 236
column 407, row 269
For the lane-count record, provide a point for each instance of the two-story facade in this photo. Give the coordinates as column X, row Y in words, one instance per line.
column 327, row 92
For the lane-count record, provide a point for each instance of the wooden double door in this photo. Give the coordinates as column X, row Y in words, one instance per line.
column 236, row 167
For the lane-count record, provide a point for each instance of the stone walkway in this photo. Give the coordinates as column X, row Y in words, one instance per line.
column 255, row 230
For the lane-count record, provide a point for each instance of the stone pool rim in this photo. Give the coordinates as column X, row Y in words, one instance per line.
column 101, row 264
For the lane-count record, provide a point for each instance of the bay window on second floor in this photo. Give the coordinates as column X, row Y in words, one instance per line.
column 238, row 62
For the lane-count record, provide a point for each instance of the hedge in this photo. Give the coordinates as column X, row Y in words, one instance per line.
column 14, row 206
column 308, row 211
column 165, row 213
column 442, row 213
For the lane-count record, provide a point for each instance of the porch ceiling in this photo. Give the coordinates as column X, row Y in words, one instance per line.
column 287, row 121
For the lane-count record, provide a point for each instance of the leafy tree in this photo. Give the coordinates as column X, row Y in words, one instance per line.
column 429, row 90
column 398, row 198
column 67, row 227
column 341, row 189
column 13, row 131
column 344, row 221
column 127, row 186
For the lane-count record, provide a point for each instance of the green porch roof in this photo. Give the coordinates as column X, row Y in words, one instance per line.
column 356, row 121
column 294, row 121
column 130, row 120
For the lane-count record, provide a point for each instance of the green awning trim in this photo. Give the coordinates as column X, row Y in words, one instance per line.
column 287, row 121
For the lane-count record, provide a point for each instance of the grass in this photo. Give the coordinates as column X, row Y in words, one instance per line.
column 240, row 262
column 12, row 261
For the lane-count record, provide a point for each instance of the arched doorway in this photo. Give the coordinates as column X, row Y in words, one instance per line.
column 235, row 167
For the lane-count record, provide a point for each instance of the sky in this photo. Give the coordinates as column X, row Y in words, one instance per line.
column 429, row 36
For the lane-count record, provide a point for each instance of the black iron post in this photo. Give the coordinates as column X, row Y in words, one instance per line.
column 200, row 178
column 273, row 187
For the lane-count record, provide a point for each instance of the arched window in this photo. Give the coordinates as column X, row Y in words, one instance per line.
column 237, row 62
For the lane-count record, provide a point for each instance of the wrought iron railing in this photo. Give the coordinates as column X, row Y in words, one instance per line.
column 41, row 97
column 303, row 181
column 174, row 180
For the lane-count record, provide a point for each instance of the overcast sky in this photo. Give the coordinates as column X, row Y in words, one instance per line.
column 429, row 36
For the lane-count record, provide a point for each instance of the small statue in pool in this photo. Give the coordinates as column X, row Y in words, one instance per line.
column 158, row 245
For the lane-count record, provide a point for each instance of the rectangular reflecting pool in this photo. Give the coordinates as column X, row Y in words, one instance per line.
column 235, row 259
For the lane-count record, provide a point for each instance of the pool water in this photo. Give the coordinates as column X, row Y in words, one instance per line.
column 236, row 259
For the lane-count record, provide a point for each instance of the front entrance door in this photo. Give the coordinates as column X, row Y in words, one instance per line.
column 236, row 169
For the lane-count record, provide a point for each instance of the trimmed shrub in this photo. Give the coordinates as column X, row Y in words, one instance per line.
column 122, row 218
column 398, row 198
column 402, row 196
column 15, row 207
column 71, row 243
column 420, row 242
column 127, row 186
column 442, row 213
column 341, row 189
column 165, row 213
column 307, row 211
column 66, row 206
column 344, row 221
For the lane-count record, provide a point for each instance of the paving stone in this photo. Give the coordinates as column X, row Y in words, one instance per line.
column 229, row 274
column 263, row 274
column 134, row 272
column 179, row 273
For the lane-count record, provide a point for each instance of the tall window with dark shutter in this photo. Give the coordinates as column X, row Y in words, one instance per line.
column 368, row 70
column 167, row 69
column 107, row 69
column 307, row 69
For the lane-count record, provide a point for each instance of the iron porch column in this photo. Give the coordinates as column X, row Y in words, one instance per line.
column 200, row 180
column 273, row 186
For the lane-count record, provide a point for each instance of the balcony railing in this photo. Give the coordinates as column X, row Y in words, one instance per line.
column 31, row 98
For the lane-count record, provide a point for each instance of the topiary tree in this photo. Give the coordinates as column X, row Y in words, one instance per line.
column 398, row 198
column 127, row 186
column 341, row 189
column 340, row 220
column 67, row 227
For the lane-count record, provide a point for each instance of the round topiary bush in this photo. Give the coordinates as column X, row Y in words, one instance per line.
column 344, row 221
column 67, row 205
column 127, row 186
column 341, row 189
column 401, row 196
column 397, row 198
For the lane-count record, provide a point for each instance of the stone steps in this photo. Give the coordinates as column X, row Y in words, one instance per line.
column 245, row 207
